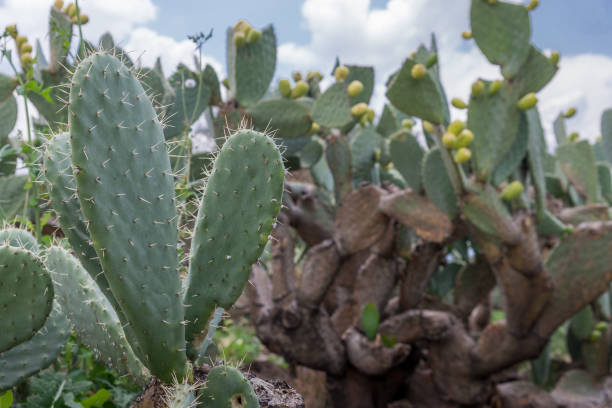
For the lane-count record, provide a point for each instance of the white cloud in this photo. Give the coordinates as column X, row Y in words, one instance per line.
column 384, row 37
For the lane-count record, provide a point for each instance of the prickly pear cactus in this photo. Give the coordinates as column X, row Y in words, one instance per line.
column 227, row 387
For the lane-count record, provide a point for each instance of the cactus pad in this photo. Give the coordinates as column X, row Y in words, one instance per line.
column 288, row 118
column 578, row 162
column 332, row 109
column 437, row 183
column 407, row 156
column 227, row 387
column 20, row 238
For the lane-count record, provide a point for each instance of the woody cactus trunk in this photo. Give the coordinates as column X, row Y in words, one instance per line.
column 390, row 253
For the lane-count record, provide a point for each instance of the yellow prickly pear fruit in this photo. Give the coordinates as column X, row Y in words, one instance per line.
column 70, row 10
column 512, row 191
column 300, row 89
column 58, row 4
column 528, row 101
column 316, row 75
column 12, row 30
column 359, row 109
column 284, row 87
column 25, row 47
column 341, row 73
column 574, row 136
column 242, row 26
column 370, row 115
column 570, row 113
column 21, row 39
column 495, row 86
column 84, row 19
column 455, row 127
column 418, row 71
column 239, row 39
column 458, row 103
column 363, row 120
column 428, row 126
column 466, row 35
column 314, row 128
column 407, row 124
column 253, row 36
column 555, row 57
column 412, row 54
column 26, row 60
column 532, row 5
column 433, row 58
column 492, row 1
column 601, row 326
column 595, row 336
column 448, row 140
column 477, row 88
column 464, row 139
column 297, row 76
column 225, row 83
column 462, row 155
column 355, row 88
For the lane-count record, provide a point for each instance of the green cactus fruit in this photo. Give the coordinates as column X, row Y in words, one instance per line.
column 126, row 190
column 21, row 39
column 458, row 103
column 26, row 60
column 418, row 71
column 27, row 294
column 570, row 113
column 225, row 83
column 363, row 120
column 407, row 123
column 359, row 109
column 314, row 75
column 239, row 39
column 466, row 35
column 464, row 138
column 12, row 30
column 532, row 5
column 601, row 326
column 355, row 88
column 555, row 56
column 428, row 126
column 595, row 335
column 59, row 4
column 370, row 318
column 238, row 211
column 432, row 60
column 84, row 19
column 226, row 387
column 495, row 87
column 297, row 76
column 242, row 26
column 512, row 191
column 341, row 72
column 70, row 10
column 314, row 129
column 370, row 115
column 25, row 47
column 284, row 87
column 300, row 89
column 462, row 155
column 455, row 127
column 527, row 102
column 477, row 88
column 253, row 36
column 449, row 139
column 574, row 136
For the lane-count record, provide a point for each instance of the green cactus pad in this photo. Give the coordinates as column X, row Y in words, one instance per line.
column 407, row 157
column 416, row 97
column 578, row 162
column 514, row 157
column 437, row 184
column 494, row 119
column 484, row 209
column 366, row 76
column 251, row 67
column 363, row 146
column 107, row 44
column 501, row 31
column 36, row 354
column 388, row 123
column 338, row 157
column 536, row 72
column 332, row 109
column 311, row 153
column 227, row 387
column 242, row 198
column 26, row 295
column 91, row 313
column 19, row 238
column 286, row 117
column 559, row 130
column 606, row 134
column 126, row 191
column 210, row 78
column 536, row 148
column 7, row 86
column 13, row 195
column 8, row 116
column 583, row 323
column 605, row 180
column 158, row 88
column 60, row 34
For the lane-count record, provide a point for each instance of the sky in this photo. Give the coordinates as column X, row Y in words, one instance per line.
column 382, row 33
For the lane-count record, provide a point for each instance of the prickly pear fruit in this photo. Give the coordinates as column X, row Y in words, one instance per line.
column 21, row 39
column 595, row 335
column 428, row 126
column 225, row 83
column 418, row 71
column 12, row 30
column 458, row 103
column 574, row 136
column 532, row 5
column 431, row 61
column 25, row 47
column 477, row 88
column 359, row 109
column 297, row 76
column 528, row 101
column 239, row 39
column 84, row 19
column 59, row 4
column 495, row 87
column 316, row 75
column 464, row 139
column 570, row 113
column 253, row 36
column 455, row 127
column 26, row 60
column 70, row 10
column 512, row 191
column 355, row 88
column 300, row 89
column 341, row 73
column 242, row 26
column 284, row 87
column 449, row 139
column 601, row 326
column 462, row 155
column 314, row 129
column 370, row 115
column 466, row 35
column 407, row 123
column 555, row 57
